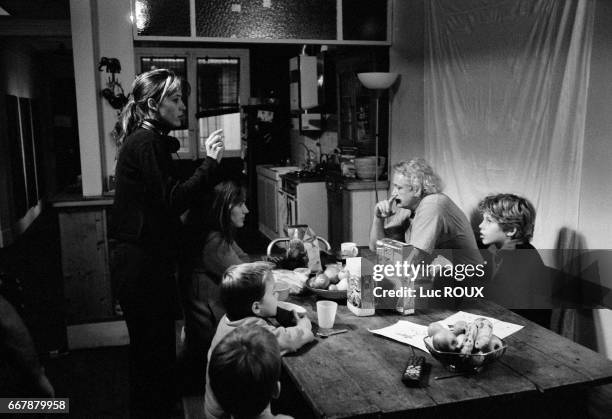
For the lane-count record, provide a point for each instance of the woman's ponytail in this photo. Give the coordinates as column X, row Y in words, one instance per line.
column 130, row 118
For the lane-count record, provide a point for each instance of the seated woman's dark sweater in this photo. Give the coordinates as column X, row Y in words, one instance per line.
column 213, row 251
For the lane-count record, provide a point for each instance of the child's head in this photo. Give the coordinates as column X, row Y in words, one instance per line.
column 506, row 217
column 248, row 289
column 244, row 371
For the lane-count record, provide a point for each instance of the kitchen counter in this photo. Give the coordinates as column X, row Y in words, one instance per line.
column 75, row 199
column 341, row 182
column 274, row 171
column 357, row 184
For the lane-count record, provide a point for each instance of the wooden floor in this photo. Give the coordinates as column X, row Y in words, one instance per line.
column 95, row 380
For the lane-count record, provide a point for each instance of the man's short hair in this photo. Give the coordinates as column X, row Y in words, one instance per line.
column 420, row 174
column 244, row 370
column 511, row 212
column 241, row 286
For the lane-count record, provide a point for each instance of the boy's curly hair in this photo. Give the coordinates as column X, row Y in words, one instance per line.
column 511, row 212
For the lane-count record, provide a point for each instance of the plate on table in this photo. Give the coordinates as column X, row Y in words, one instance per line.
column 290, row 306
column 296, row 281
column 331, row 295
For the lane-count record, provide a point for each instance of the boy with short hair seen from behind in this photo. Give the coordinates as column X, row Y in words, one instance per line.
column 244, row 373
column 247, row 293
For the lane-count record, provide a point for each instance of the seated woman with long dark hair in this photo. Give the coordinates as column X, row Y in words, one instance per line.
column 228, row 213
column 215, row 250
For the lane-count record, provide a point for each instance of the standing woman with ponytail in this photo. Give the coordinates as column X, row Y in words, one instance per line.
column 149, row 200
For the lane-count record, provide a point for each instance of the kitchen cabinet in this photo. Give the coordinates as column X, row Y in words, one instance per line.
column 303, row 87
column 85, row 263
column 269, row 205
column 91, row 318
column 351, row 209
column 306, row 203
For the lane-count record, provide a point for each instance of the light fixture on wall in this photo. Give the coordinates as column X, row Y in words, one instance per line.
column 379, row 82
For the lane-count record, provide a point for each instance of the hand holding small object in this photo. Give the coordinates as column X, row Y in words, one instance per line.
column 274, row 259
column 303, row 322
column 214, row 145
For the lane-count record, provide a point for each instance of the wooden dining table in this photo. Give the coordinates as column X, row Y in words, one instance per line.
column 358, row 373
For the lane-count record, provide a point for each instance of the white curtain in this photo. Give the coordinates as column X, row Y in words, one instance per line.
column 505, row 102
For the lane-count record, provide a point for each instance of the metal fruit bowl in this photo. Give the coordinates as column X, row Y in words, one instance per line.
column 327, row 294
column 456, row 361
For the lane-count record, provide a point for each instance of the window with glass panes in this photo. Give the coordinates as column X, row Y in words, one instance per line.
column 219, row 84
column 219, row 99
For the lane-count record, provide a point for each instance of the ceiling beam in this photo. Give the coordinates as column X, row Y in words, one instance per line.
column 10, row 26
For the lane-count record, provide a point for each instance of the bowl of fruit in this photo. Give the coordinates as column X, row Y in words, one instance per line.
column 464, row 346
column 331, row 283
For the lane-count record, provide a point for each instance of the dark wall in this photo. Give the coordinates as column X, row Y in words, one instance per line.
column 31, row 279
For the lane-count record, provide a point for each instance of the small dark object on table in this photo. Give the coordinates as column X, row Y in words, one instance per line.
column 285, row 317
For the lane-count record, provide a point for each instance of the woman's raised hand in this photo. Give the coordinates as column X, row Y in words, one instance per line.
column 214, row 145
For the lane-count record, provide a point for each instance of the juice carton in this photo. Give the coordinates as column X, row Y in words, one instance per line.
column 360, row 291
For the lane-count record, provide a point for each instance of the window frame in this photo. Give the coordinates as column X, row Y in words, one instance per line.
column 192, row 55
column 339, row 40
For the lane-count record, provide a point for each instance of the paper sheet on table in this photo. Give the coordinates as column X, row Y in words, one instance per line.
column 412, row 334
column 405, row 332
column 500, row 329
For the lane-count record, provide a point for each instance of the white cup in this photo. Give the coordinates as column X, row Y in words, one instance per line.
column 348, row 250
column 326, row 313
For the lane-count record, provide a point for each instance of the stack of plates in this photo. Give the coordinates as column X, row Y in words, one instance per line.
column 366, row 145
column 365, row 168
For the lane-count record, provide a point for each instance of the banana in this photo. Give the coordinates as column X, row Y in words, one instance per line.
column 470, row 337
column 485, row 331
column 459, row 327
column 460, row 341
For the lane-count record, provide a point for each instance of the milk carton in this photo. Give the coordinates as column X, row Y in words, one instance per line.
column 390, row 252
column 360, row 291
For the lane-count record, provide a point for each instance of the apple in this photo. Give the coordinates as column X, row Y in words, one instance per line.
column 321, row 281
column 445, row 341
column 342, row 285
column 434, row 328
column 332, row 271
